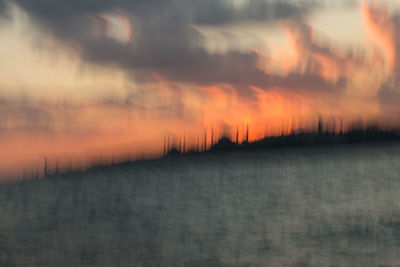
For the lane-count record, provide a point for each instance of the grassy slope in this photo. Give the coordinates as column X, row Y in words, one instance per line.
column 320, row 206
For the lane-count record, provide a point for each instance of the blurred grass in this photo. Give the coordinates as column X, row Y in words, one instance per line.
column 311, row 206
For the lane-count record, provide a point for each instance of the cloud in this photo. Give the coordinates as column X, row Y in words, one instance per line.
column 316, row 53
column 169, row 11
column 168, row 46
column 383, row 29
column 70, row 20
column 167, row 42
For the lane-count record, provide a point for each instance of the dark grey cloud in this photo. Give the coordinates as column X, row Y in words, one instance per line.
column 166, row 39
column 69, row 19
column 170, row 11
column 195, row 65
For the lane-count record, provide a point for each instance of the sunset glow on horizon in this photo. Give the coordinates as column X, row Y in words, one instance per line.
column 109, row 82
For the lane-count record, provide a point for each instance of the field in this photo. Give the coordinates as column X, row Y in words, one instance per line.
column 300, row 206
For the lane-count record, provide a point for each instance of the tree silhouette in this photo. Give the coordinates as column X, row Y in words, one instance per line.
column 320, row 126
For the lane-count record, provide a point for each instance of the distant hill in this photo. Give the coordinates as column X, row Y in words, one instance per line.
column 370, row 134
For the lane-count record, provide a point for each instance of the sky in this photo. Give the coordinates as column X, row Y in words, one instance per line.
column 92, row 82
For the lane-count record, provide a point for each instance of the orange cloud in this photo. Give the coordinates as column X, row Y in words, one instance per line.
column 311, row 55
column 382, row 31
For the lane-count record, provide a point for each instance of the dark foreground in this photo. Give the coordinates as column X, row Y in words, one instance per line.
column 315, row 206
